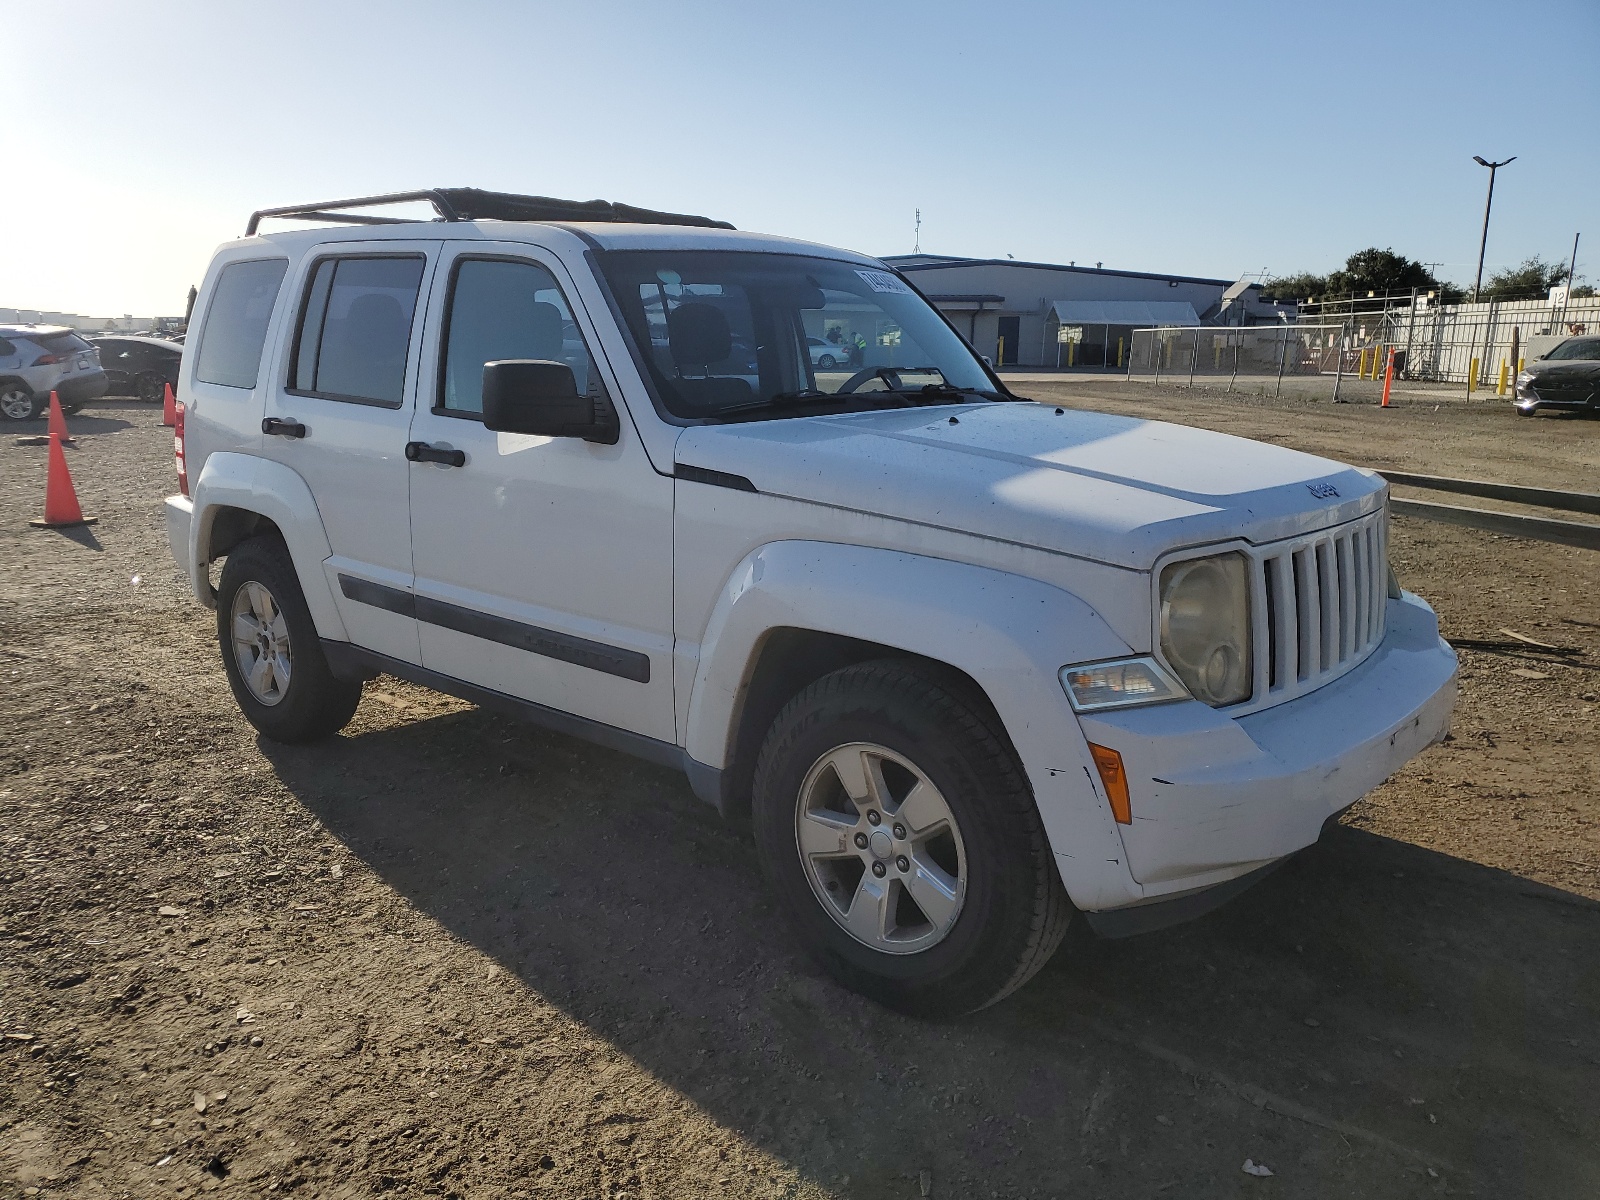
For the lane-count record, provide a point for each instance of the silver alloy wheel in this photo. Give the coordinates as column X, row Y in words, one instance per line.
column 880, row 848
column 16, row 403
column 261, row 648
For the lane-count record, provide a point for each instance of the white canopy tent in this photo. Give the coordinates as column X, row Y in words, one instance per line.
column 1068, row 318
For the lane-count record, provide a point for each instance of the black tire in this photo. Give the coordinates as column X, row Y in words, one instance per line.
column 149, row 387
column 68, row 410
column 314, row 704
column 827, row 362
column 18, row 403
column 1014, row 910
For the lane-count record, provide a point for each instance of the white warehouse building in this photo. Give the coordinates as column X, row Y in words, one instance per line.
column 1016, row 312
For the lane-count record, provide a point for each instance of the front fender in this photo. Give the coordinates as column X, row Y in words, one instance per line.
column 278, row 493
column 1008, row 632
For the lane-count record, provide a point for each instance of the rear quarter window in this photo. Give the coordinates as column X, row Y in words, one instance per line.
column 235, row 328
column 63, row 343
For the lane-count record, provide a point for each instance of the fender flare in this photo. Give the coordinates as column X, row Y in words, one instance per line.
column 278, row 493
column 1009, row 633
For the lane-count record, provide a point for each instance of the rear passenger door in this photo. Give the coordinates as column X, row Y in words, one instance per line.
column 338, row 416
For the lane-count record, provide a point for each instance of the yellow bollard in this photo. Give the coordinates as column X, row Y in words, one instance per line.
column 1520, row 362
column 1000, row 352
column 1071, row 352
column 1472, row 377
column 1505, row 369
column 1119, row 352
column 1216, row 356
column 1361, row 364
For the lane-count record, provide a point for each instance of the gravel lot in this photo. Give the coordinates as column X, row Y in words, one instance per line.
column 445, row 955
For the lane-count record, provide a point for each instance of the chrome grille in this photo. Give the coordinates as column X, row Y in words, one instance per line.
column 1321, row 601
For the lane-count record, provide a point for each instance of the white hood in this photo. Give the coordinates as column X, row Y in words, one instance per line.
column 1114, row 489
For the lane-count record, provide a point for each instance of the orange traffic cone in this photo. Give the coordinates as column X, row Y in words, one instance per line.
column 60, row 498
column 169, row 405
column 58, row 422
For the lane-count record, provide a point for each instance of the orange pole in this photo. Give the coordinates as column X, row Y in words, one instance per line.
column 1388, row 380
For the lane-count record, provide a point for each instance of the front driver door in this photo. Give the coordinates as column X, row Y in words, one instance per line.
column 543, row 565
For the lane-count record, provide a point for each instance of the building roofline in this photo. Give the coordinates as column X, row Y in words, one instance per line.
column 1038, row 266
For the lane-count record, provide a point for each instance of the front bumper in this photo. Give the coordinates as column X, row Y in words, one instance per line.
column 1214, row 797
column 75, row 389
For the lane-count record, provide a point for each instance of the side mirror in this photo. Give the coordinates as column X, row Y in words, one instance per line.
column 537, row 396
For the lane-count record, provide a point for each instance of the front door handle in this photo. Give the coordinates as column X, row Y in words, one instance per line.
column 422, row 452
column 279, row 427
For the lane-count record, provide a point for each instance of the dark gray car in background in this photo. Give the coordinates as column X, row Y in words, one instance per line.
column 139, row 366
column 1566, row 378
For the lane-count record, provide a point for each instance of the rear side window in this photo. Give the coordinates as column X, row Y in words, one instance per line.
column 236, row 322
column 501, row 310
column 355, row 329
column 6, row 348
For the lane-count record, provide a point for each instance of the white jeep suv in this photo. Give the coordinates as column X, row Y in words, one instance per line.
column 969, row 663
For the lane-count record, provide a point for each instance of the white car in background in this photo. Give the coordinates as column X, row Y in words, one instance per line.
column 826, row 354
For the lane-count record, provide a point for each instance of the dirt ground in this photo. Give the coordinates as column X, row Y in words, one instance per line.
column 445, row 955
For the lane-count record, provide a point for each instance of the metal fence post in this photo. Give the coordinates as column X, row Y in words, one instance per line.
column 1338, row 377
column 1411, row 329
column 1194, row 354
column 1239, row 340
column 1155, row 353
column 1283, row 354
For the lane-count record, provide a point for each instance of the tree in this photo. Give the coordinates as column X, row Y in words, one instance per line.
column 1531, row 279
column 1380, row 271
column 1370, row 270
column 1304, row 286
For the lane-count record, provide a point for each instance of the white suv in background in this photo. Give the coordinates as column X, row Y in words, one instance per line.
column 971, row 664
column 36, row 360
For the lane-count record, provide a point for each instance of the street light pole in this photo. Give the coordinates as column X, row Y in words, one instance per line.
column 1483, row 243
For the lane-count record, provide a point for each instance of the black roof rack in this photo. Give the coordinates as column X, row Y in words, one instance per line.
column 473, row 204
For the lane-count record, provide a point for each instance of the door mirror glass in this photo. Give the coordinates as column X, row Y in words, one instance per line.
column 540, row 396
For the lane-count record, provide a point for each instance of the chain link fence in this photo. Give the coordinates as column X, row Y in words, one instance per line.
column 1444, row 343
column 1247, row 355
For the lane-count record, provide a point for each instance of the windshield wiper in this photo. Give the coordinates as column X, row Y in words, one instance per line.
column 784, row 400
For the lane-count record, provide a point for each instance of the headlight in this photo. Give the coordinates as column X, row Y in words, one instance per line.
column 1121, row 684
column 1205, row 626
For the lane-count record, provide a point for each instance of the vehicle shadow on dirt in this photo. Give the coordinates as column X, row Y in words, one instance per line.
column 85, row 422
column 1372, row 1011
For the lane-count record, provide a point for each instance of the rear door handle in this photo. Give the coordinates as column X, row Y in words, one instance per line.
column 278, row 427
column 422, row 452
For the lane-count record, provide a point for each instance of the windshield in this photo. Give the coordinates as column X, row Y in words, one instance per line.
column 1577, row 348
column 750, row 335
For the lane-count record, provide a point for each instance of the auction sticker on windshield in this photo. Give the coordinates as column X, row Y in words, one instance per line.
column 882, row 281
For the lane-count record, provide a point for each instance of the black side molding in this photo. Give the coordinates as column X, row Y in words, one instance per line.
column 364, row 591
column 547, row 643
column 715, row 478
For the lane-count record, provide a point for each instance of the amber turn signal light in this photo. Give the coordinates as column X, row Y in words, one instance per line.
column 1109, row 763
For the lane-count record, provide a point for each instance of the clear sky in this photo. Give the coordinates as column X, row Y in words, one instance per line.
column 1201, row 138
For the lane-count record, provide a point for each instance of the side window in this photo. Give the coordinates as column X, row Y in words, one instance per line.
column 236, row 322
column 505, row 310
column 6, row 349
column 355, row 329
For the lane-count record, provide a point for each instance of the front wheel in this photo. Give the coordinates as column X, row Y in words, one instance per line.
column 270, row 648
column 827, row 362
column 900, row 836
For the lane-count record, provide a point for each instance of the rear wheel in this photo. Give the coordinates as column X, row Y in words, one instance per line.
column 17, row 402
column 270, row 648
column 900, row 836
